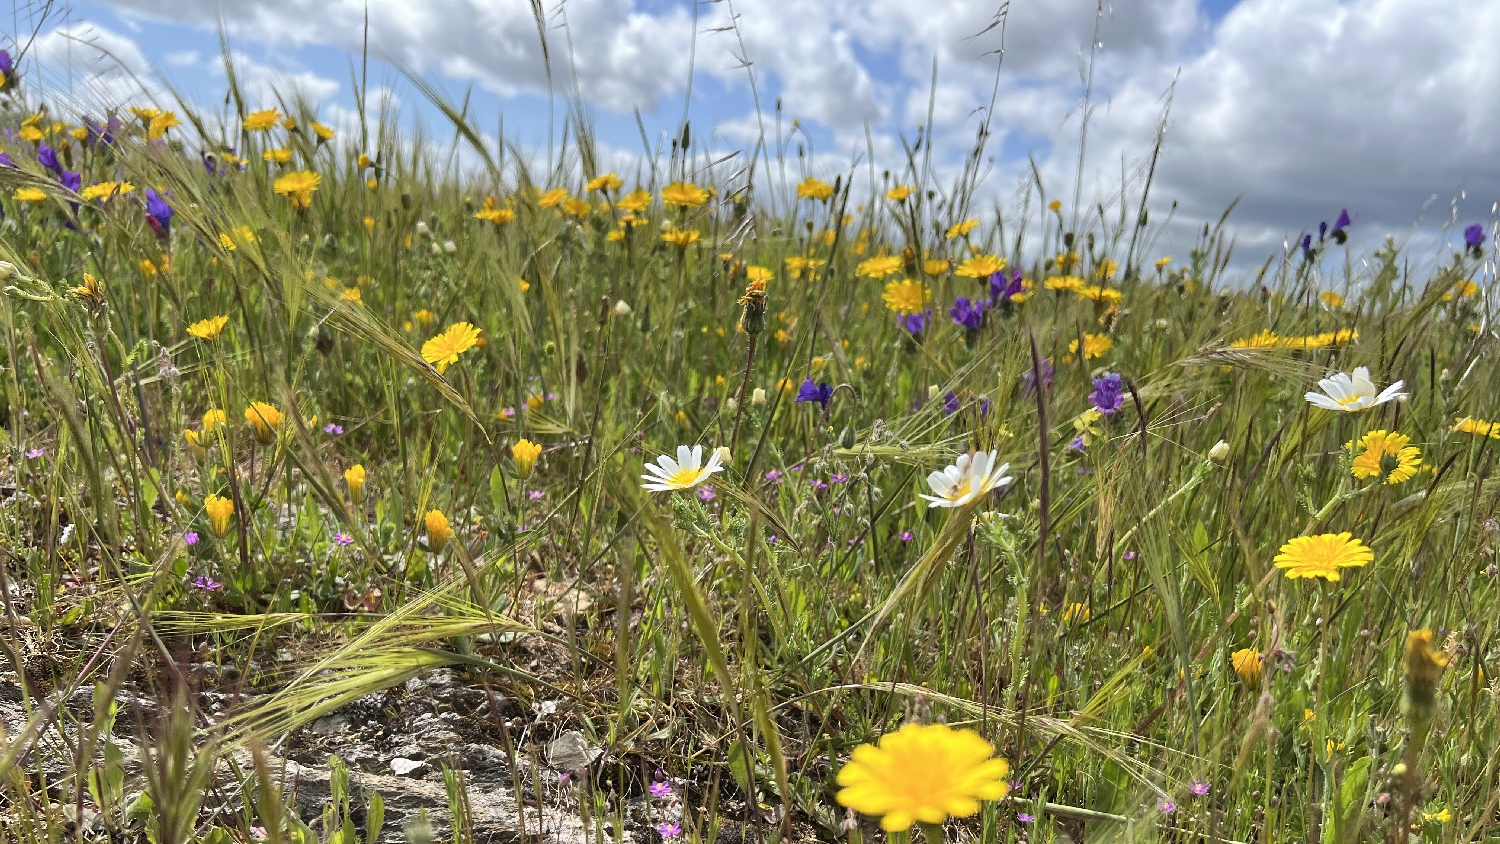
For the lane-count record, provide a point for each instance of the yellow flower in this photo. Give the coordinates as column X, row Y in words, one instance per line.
column 1096, row 293
column 364, row 161
column 424, row 317
column 438, row 531
column 899, row 193
column 198, row 441
column 289, row 123
column 324, row 133
column 372, row 184
column 980, row 266
column 1478, row 427
column 265, row 419
column 525, row 453
column 1465, row 289
column 680, row 237
column 879, row 267
column 354, row 477
column 816, row 189
column 1076, row 612
column 213, row 418
column 575, row 207
column 1055, row 205
column 961, row 229
column 799, row 264
column 684, row 194
column 106, row 190
column 1065, row 282
column 91, row 290
column 369, row 222
column 29, row 130
column 352, row 295
column 148, row 269
column 1094, row 345
column 208, row 329
column 1162, row 262
column 635, row 202
column 760, row 274
column 443, row 350
column 1423, row 667
column 1105, row 269
column 1265, row 340
column 492, row 212
column 605, row 182
column 298, row 186
column 1322, row 556
column 1331, row 299
column 1386, row 454
column 553, row 197
column 906, row 297
column 1248, row 664
column 260, row 121
column 924, row 773
column 30, row 195
column 279, row 155
column 220, row 511
column 935, row 266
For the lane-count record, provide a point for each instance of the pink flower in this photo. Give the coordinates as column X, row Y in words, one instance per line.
column 669, row 830
column 660, row 788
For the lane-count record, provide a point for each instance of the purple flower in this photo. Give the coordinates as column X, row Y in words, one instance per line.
column 6, row 65
column 669, row 830
column 1025, row 818
column 35, row 453
column 47, row 157
column 343, row 539
column 1131, row 555
column 1474, row 237
column 660, row 788
column 906, row 536
column 1002, row 290
column 158, row 213
column 706, row 492
column 968, row 314
column 190, row 539
column 206, row 583
column 1343, row 221
column 915, row 324
column 1029, row 376
column 838, row 478
column 1200, row 788
column 1322, row 231
column 771, row 538
column 774, row 476
column 1076, row 444
column 5, row 157
column 508, row 412
column 820, row 392
column 950, row 402
column 1165, row 805
column 333, row 429
column 1109, row 393
column 70, row 180
column 536, row 494
column 1307, row 250
column 817, row 484
column 797, row 468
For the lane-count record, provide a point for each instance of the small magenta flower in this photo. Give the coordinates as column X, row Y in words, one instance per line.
column 343, row 539
column 1025, row 818
column 660, row 788
column 207, row 584
column 818, row 392
column 906, row 536
column 838, row 478
column 706, row 492
column 335, row 430
column 35, row 453
column 190, row 539
column 1131, row 555
column 817, row 484
column 771, row 539
column 774, row 476
column 1200, row 788
column 5, row 160
column 669, row 830
column 536, row 495
column 1165, row 805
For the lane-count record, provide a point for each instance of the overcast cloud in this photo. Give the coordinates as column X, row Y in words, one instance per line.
column 1298, row 106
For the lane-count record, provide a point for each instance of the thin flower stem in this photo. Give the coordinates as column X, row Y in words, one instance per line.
column 739, row 410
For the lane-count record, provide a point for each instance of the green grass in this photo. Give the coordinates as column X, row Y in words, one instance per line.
column 1083, row 621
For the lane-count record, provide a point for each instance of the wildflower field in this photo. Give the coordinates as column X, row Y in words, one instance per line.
column 752, row 502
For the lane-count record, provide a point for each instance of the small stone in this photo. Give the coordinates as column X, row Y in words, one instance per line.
column 571, row 751
column 403, row 767
column 330, row 724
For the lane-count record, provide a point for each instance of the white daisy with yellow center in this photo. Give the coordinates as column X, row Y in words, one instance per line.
column 970, row 476
column 1347, row 393
column 686, row 472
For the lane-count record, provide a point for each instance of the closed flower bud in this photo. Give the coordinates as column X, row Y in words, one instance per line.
column 932, row 392
column 622, row 308
column 724, row 456
column 1424, row 667
column 758, row 395
column 525, row 453
column 8, row 271
column 846, row 437
column 354, row 476
column 753, row 320
column 438, row 531
column 220, row 511
column 422, row 228
column 450, row 247
column 1220, row 452
column 731, row 403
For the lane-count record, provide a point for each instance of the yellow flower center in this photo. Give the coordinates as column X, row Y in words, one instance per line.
column 684, row 477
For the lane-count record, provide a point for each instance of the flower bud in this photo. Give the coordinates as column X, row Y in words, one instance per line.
column 525, row 453
column 622, row 308
column 758, row 395
column 932, row 392
column 438, row 531
column 731, row 403
column 1220, row 452
column 724, row 455
column 354, row 476
column 8, row 271
column 422, row 228
column 846, row 437
column 450, row 247
column 753, row 320
column 220, row 511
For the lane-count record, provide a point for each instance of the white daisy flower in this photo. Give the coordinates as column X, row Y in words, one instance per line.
column 686, row 472
column 970, row 476
column 1350, row 393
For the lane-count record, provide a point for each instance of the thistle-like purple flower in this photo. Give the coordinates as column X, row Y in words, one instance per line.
column 1109, row 393
column 819, row 392
column 190, row 538
column 6, row 65
column 47, row 157
column 968, row 314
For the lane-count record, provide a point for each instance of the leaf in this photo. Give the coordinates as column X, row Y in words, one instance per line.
column 741, row 766
column 374, row 818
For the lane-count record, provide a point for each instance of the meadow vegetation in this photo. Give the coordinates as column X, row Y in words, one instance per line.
column 302, row 414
